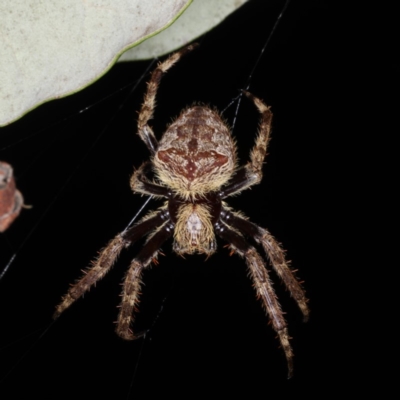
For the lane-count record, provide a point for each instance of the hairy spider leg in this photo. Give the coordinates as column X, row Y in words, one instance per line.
column 230, row 226
column 251, row 173
column 132, row 282
column 274, row 252
column 146, row 113
column 262, row 284
column 108, row 256
column 140, row 184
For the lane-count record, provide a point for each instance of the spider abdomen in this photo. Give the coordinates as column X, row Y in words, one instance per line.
column 196, row 154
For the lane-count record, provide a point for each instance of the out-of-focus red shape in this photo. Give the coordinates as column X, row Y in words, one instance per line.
column 11, row 199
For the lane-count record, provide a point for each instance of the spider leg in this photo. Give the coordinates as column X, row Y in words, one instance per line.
column 262, row 283
column 274, row 252
column 146, row 113
column 140, row 184
column 107, row 257
column 251, row 174
column 132, row 283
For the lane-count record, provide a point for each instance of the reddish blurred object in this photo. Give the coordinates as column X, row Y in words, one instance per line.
column 11, row 199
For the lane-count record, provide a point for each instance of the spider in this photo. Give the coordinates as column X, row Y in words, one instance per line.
column 195, row 169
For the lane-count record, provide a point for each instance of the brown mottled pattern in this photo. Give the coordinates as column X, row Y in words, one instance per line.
column 197, row 146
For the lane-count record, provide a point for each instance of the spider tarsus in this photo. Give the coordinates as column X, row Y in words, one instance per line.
column 306, row 315
column 141, row 334
column 190, row 47
column 126, row 335
column 66, row 302
column 284, row 340
column 58, row 312
column 251, row 97
column 259, row 103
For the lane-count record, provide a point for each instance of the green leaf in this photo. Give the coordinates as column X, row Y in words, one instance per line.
column 200, row 17
column 50, row 49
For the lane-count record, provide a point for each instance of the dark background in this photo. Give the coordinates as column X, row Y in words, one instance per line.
column 209, row 333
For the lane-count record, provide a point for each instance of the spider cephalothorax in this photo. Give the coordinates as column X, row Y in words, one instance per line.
column 195, row 169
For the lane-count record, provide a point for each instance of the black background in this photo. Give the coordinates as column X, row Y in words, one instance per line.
column 211, row 336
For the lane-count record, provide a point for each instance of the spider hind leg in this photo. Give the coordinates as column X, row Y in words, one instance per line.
column 146, row 113
column 251, row 173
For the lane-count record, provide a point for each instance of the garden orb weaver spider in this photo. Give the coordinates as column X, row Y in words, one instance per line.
column 195, row 169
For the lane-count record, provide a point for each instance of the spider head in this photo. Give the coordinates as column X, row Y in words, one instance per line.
column 197, row 154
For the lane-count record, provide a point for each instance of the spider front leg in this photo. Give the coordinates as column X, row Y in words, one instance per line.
column 146, row 113
column 262, row 284
column 251, row 174
column 274, row 252
column 107, row 257
column 97, row 271
column 131, row 286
